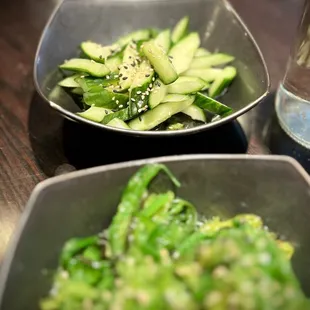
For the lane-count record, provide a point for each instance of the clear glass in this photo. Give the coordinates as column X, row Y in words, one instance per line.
column 293, row 96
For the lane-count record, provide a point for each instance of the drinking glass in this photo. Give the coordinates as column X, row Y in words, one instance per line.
column 293, row 95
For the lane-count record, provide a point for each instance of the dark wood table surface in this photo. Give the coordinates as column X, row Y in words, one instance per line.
column 31, row 142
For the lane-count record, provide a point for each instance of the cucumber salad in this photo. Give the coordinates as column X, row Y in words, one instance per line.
column 159, row 254
column 149, row 78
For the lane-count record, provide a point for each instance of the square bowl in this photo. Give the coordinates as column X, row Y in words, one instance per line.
column 82, row 203
column 103, row 21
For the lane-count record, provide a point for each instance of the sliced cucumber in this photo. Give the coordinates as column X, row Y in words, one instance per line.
column 121, row 114
column 87, row 66
column 141, row 88
column 128, row 68
column 77, row 91
column 208, row 75
column 99, row 52
column 158, row 93
column 175, row 126
column 201, row 52
column 211, row 61
column 174, row 98
column 222, row 81
column 195, row 113
column 118, row 123
column 160, row 62
column 102, row 97
column 161, row 113
column 163, row 40
column 212, row 105
column 87, row 83
column 95, row 114
column 113, row 63
column 183, row 52
column 180, row 30
column 186, row 85
column 70, row 81
column 139, row 35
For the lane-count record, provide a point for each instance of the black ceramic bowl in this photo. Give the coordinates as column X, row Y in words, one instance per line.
column 105, row 20
column 83, row 203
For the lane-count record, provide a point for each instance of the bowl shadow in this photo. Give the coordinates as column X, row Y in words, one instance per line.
column 62, row 145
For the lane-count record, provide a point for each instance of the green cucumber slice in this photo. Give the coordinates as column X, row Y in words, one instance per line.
column 183, row 52
column 211, row 61
column 180, row 30
column 95, row 114
column 121, row 114
column 212, row 105
column 186, row 85
column 163, row 40
column 86, row 65
column 77, row 91
column 158, row 93
column 139, row 35
column 161, row 113
column 201, row 52
column 174, row 98
column 175, row 126
column 141, row 88
column 160, row 62
column 208, row 75
column 113, row 63
column 70, row 81
column 99, row 52
column 87, row 83
column 118, row 123
column 103, row 97
column 128, row 68
column 195, row 113
column 222, row 81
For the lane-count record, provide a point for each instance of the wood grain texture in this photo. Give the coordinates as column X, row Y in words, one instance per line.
column 36, row 143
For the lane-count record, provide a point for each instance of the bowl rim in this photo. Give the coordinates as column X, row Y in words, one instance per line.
column 42, row 186
column 74, row 117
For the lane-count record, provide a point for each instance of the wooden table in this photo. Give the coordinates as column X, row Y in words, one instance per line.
column 31, row 149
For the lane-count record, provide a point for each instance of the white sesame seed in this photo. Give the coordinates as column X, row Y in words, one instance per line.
column 139, row 92
column 132, row 99
column 147, row 93
column 108, row 77
column 92, row 61
column 113, row 98
column 151, row 85
column 116, row 76
column 153, row 79
column 117, row 101
column 142, row 97
column 140, row 110
column 121, row 106
column 82, row 76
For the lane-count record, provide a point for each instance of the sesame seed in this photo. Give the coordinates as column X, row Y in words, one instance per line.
column 120, row 75
column 151, row 85
column 130, row 57
column 142, row 97
column 101, row 85
column 106, row 112
column 124, row 78
column 140, row 110
column 82, row 76
column 92, row 61
column 108, row 77
column 147, row 75
column 132, row 99
column 153, row 79
column 114, row 91
column 117, row 101
column 133, row 64
column 100, row 56
column 139, row 92
column 116, row 76
column 113, row 98
column 171, row 57
column 121, row 106
column 113, row 110
column 126, row 67
column 140, row 103
column 147, row 93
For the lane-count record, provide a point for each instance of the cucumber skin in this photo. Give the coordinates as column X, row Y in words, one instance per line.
column 211, row 60
column 69, row 81
column 82, row 65
column 121, row 114
column 158, row 94
column 100, row 97
column 163, row 40
column 213, row 106
column 118, row 123
column 88, row 83
column 160, row 62
column 142, row 34
column 107, row 51
column 161, row 113
column 208, row 75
